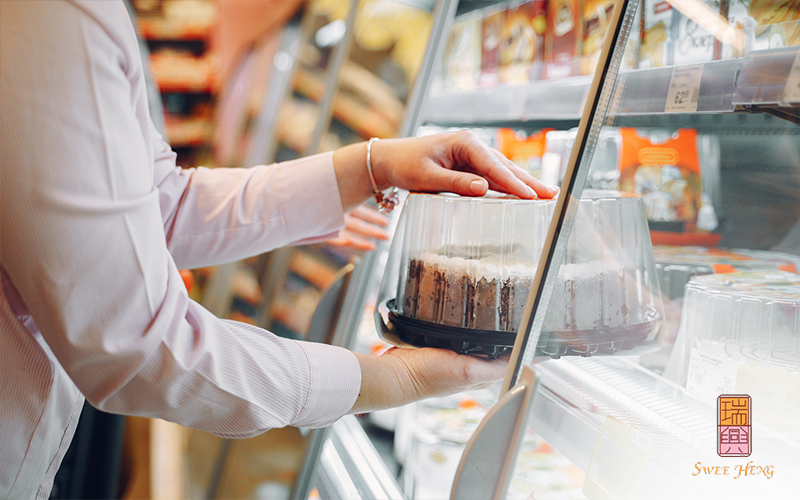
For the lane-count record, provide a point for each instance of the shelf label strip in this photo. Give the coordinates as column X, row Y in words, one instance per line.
column 791, row 93
column 618, row 461
column 684, row 89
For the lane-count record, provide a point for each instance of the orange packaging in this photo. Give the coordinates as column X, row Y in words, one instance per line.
column 525, row 151
column 666, row 175
column 517, row 45
column 596, row 17
column 563, row 38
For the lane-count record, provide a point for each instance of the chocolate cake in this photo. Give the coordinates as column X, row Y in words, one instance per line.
column 468, row 293
column 481, row 294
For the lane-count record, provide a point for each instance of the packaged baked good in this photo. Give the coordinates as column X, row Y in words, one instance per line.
column 693, row 42
column 517, row 45
column 776, row 36
column 740, row 335
column 777, row 23
column 461, row 269
column 595, row 19
column 538, row 13
column 461, row 63
column 563, row 38
column 666, row 174
column 491, row 33
column 676, row 265
column 657, row 37
column 773, row 11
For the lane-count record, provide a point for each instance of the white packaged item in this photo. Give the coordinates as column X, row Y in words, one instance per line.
column 693, row 42
column 742, row 336
column 657, row 40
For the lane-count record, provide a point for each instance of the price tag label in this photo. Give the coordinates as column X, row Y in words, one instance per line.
column 684, row 89
column 791, row 93
column 709, row 375
column 618, row 462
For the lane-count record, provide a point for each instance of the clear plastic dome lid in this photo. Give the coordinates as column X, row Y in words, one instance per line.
column 751, row 315
column 676, row 265
column 740, row 334
column 460, row 271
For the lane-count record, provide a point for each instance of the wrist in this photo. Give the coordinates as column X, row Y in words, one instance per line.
column 386, row 201
column 383, row 384
column 380, row 163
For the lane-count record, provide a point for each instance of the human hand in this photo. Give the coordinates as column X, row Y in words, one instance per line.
column 362, row 225
column 400, row 376
column 457, row 162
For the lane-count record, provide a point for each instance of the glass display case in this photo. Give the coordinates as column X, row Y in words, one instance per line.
column 692, row 107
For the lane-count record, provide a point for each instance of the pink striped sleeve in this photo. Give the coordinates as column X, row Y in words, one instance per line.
column 219, row 215
column 83, row 242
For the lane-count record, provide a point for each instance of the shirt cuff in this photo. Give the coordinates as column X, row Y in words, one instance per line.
column 311, row 197
column 334, row 386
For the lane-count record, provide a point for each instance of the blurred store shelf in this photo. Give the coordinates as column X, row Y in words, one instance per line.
column 759, row 79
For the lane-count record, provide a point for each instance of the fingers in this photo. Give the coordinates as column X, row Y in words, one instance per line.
column 362, row 225
column 470, row 153
column 437, row 372
column 348, row 239
column 364, row 229
column 370, row 215
column 541, row 189
column 453, row 181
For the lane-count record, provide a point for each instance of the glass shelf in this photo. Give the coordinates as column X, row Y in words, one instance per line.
column 534, row 101
column 763, row 77
column 645, row 90
column 576, row 397
column 726, row 86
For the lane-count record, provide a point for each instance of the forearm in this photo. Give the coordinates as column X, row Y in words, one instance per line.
column 350, row 165
column 219, row 215
column 227, row 377
column 401, row 376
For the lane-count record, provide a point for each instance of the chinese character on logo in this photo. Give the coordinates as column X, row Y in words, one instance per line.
column 733, row 426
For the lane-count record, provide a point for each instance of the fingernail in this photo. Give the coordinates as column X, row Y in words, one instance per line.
column 478, row 186
column 531, row 192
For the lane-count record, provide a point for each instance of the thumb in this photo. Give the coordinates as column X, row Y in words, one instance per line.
column 463, row 183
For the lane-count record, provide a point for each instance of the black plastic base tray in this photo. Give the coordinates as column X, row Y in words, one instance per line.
column 461, row 340
column 635, row 339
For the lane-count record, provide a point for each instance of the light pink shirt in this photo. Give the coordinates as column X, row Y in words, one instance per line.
column 95, row 222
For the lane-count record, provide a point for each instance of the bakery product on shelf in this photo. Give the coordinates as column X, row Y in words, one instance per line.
column 742, row 335
column 461, row 270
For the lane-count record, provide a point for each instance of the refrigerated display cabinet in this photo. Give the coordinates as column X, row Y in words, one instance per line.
column 710, row 140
